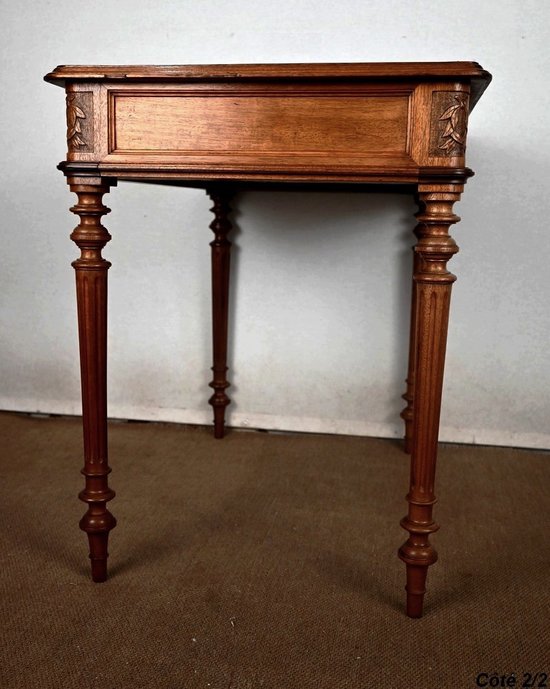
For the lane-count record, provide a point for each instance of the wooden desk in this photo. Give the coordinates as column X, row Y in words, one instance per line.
column 225, row 127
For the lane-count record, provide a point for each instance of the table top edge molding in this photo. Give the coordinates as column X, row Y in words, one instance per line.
column 459, row 71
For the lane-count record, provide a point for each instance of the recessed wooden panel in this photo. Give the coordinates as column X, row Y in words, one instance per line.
column 252, row 124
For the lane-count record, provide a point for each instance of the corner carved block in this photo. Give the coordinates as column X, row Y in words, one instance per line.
column 80, row 121
column 449, row 123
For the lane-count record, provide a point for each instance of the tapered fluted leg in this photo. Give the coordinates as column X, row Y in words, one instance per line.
column 433, row 291
column 407, row 413
column 221, row 252
column 91, row 290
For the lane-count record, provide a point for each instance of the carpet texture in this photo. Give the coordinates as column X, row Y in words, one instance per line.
column 266, row 561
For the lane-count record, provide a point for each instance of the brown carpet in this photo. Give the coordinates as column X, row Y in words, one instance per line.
column 266, row 561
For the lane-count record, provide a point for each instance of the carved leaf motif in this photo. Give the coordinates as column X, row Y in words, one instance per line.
column 447, row 114
column 454, row 134
column 74, row 128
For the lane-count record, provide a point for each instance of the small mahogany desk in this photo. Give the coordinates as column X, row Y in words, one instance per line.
column 227, row 127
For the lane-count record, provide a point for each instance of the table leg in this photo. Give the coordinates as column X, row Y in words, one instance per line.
column 91, row 290
column 221, row 252
column 433, row 291
column 407, row 413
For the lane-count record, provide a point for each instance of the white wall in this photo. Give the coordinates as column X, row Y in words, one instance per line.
column 320, row 281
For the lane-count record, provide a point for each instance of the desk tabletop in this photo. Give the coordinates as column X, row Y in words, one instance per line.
column 371, row 71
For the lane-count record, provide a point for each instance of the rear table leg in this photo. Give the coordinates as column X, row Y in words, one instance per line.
column 221, row 253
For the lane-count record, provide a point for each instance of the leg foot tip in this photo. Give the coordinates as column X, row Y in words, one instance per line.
column 414, row 606
column 99, row 571
column 219, row 425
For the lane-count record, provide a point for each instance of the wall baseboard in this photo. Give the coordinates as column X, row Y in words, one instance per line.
column 469, row 436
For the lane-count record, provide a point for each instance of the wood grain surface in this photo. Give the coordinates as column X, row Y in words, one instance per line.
column 257, row 124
